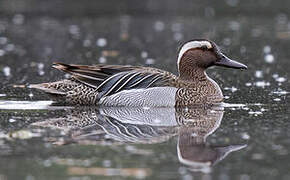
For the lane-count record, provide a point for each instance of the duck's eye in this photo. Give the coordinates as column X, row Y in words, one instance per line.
column 204, row 48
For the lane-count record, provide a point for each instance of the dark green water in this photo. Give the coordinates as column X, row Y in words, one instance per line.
column 43, row 141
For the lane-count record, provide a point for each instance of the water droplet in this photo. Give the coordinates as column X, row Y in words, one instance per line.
column 267, row 49
column 269, row 58
column 47, row 163
column 102, row 60
column 277, row 99
column 259, row 74
column 257, row 156
column 40, row 66
column 280, row 92
column 101, row 42
column 282, row 19
column 256, row 32
column 243, row 49
column 107, row 163
column 149, row 61
column 159, row 26
column 18, row 19
column 232, row 2
column 245, row 108
column 87, row 43
column 233, row 89
column 47, row 50
column 74, row 29
column 262, row 83
column 176, row 27
column 255, row 113
column 227, row 41
column 12, row 120
column 2, row 52
column 263, row 109
column 144, row 54
column 10, row 47
column 177, row 36
column 281, row 79
column 41, row 73
column 275, row 76
column 234, row 25
column 3, row 40
column 7, row 71
column 245, row 136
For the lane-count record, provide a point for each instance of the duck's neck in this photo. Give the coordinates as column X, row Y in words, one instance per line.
column 194, row 75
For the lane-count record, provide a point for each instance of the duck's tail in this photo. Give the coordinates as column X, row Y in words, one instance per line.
column 46, row 87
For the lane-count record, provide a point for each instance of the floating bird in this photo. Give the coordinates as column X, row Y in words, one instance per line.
column 117, row 85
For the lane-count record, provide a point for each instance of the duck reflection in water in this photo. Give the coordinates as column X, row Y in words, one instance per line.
column 148, row 126
column 192, row 148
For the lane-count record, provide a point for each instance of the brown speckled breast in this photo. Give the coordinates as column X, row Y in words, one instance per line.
column 201, row 92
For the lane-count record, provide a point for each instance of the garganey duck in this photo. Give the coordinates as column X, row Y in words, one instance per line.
column 117, row 85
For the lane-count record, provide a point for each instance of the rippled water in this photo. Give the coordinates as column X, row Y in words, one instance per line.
column 247, row 138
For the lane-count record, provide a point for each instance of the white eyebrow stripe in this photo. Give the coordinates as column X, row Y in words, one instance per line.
column 191, row 45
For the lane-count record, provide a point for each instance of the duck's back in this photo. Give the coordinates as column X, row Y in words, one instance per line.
column 113, row 85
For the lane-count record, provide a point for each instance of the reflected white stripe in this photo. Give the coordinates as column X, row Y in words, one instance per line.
column 26, row 105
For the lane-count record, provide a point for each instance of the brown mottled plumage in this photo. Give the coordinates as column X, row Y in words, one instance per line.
column 116, row 85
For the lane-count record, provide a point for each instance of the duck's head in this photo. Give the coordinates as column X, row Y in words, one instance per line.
column 200, row 54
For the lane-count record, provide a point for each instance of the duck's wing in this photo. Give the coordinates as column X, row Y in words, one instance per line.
column 110, row 79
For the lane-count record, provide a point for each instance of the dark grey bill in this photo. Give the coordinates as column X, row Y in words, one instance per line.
column 227, row 62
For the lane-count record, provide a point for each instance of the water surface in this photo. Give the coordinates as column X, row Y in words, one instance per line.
column 248, row 139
